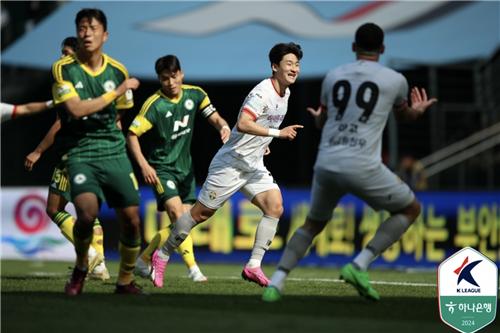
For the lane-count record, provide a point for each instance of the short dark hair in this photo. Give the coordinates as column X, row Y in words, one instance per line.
column 169, row 62
column 369, row 37
column 71, row 42
column 90, row 13
column 280, row 50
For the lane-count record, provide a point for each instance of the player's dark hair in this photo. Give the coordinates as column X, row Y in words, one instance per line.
column 169, row 62
column 369, row 37
column 280, row 50
column 70, row 42
column 90, row 13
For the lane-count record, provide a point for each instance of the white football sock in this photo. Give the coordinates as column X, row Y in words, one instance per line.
column 295, row 249
column 389, row 232
column 182, row 228
column 278, row 279
column 263, row 239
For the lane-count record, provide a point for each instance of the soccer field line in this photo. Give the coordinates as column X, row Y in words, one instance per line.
column 387, row 283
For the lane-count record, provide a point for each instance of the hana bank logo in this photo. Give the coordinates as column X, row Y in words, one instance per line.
column 299, row 19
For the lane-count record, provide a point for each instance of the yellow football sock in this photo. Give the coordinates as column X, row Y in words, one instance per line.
column 187, row 252
column 98, row 239
column 158, row 240
column 128, row 256
column 185, row 249
column 65, row 222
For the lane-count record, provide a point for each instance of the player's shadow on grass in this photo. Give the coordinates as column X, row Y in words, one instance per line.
column 318, row 306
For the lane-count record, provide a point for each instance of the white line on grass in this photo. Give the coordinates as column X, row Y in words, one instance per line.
column 389, row 283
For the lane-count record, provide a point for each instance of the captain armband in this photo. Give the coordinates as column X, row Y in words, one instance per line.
column 208, row 111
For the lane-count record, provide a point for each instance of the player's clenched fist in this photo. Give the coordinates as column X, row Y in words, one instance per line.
column 289, row 132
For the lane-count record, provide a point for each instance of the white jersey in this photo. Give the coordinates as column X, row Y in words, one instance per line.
column 359, row 97
column 268, row 108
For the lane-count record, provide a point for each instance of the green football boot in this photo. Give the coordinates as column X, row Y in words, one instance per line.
column 271, row 294
column 360, row 281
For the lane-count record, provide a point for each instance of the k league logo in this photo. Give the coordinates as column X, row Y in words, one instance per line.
column 467, row 290
column 464, row 273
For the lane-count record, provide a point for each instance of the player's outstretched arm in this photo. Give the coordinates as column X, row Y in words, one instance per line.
column 319, row 115
column 419, row 104
column 80, row 108
column 246, row 124
column 221, row 125
column 46, row 142
column 148, row 172
column 10, row 111
column 33, row 108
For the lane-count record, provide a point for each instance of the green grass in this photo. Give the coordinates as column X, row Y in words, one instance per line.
column 315, row 301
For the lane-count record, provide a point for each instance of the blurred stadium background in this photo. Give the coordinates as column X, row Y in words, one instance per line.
column 451, row 156
column 223, row 48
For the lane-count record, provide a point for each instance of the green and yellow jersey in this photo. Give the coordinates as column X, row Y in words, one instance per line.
column 96, row 136
column 171, row 122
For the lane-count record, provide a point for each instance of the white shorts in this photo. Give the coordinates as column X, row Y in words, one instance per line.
column 379, row 187
column 224, row 180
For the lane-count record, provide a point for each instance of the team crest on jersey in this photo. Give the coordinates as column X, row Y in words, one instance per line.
column 212, row 195
column 171, row 184
column 109, row 86
column 189, row 104
column 79, row 179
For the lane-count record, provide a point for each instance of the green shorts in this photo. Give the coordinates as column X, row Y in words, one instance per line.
column 59, row 184
column 111, row 179
column 174, row 185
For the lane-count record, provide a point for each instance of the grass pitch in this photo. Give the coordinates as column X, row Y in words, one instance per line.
column 315, row 301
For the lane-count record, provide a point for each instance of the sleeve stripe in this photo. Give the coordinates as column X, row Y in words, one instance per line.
column 57, row 67
column 188, row 86
column 147, row 104
column 250, row 113
column 118, row 65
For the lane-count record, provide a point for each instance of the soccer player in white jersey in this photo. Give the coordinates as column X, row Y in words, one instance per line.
column 239, row 165
column 357, row 98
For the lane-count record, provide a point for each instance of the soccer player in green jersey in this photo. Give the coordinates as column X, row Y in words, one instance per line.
column 59, row 193
column 169, row 114
column 92, row 87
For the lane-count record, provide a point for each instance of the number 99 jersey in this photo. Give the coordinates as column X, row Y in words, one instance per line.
column 359, row 97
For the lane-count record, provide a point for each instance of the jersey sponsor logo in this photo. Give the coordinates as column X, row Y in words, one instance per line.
column 181, row 133
column 189, row 104
column 109, row 86
column 168, row 115
column 79, row 179
column 170, row 184
column 79, row 85
column 181, row 123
